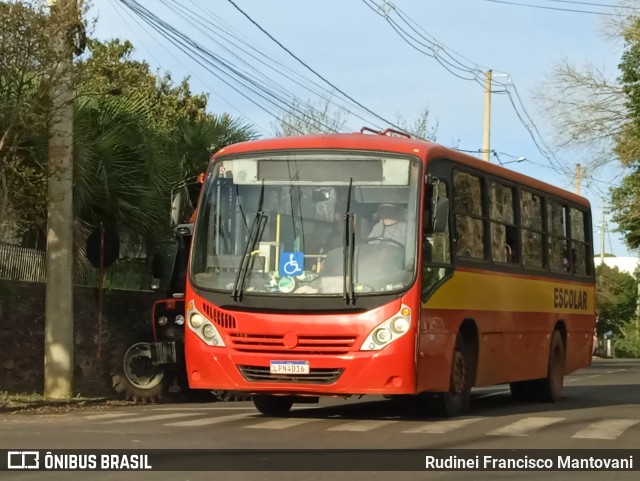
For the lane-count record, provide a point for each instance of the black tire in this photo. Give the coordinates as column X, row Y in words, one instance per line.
column 229, row 396
column 133, row 376
column 550, row 388
column 457, row 400
column 272, row 405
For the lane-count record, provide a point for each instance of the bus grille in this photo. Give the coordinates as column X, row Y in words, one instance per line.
column 315, row 376
column 306, row 344
column 222, row 319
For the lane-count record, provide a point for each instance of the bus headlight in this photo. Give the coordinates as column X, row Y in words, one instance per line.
column 162, row 320
column 196, row 321
column 388, row 331
column 400, row 325
column 382, row 335
column 202, row 327
column 179, row 320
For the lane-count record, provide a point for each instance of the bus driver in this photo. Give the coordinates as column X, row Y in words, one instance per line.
column 391, row 224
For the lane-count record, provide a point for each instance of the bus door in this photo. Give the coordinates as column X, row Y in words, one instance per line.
column 434, row 352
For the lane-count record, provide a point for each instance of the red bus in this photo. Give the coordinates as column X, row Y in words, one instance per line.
column 353, row 264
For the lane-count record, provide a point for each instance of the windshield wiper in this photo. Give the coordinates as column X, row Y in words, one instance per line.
column 254, row 234
column 348, row 291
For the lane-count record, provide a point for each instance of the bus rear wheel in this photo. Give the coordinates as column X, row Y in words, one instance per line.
column 272, row 405
column 551, row 386
column 547, row 389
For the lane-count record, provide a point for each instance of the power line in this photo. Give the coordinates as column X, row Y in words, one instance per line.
column 591, row 4
column 472, row 71
column 554, row 8
column 210, row 28
column 243, row 83
column 304, row 64
column 177, row 59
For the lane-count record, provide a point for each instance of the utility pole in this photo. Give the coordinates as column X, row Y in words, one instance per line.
column 603, row 228
column 486, row 138
column 578, row 178
column 58, row 355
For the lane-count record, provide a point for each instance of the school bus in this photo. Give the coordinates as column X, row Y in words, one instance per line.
column 354, row 264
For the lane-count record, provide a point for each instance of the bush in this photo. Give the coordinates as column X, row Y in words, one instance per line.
column 628, row 343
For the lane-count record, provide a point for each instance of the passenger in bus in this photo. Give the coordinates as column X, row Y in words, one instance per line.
column 391, row 224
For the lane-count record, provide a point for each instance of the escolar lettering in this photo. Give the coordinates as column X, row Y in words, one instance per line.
column 569, row 299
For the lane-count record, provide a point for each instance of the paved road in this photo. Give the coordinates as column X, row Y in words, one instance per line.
column 599, row 411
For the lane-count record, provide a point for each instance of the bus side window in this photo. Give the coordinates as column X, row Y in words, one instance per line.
column 531, row 232
column 579, row 246
column 469, row 237
column 559, row 255
column 504, row 238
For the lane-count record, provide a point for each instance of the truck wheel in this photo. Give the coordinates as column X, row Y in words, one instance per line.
column 133, row 376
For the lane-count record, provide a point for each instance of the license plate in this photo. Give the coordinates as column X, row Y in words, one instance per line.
column 289, row 367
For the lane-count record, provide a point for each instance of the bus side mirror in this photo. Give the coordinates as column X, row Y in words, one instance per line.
column 441, row 215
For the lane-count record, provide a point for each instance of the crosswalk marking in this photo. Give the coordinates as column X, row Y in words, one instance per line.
column 442, row 427
column 98, row 417
column 524, row 427
column 606, row 429
column 210, row 421
column 360, row 426
column 157, row 417
column 282, row 423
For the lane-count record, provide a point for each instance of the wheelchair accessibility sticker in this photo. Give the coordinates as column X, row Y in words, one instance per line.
column 291, row 264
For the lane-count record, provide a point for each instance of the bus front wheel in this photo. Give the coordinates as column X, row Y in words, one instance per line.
column 456, row 401
column 272, row 405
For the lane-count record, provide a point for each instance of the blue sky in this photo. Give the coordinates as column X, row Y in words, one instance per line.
column 354, row 48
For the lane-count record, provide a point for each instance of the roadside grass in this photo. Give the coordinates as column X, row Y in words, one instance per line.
column 37, row 403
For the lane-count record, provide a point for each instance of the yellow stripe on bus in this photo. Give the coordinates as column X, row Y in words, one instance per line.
column 488, row 291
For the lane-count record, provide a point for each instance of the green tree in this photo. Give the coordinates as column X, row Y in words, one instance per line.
column 136, row 134
column 616, row 297
column 628, row 343
column 26, row 61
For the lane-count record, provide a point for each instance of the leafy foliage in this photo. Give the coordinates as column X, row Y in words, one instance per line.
column 628, row 343
column 25, row 61
column 616, row 294
column 135, row 134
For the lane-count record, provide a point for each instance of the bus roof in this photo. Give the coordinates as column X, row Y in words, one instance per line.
column 397, row 144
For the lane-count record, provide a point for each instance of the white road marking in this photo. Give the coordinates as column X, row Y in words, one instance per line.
column 94, row 417
column 157, row 417
column 498, row 393
column 442, row 427
column 524, row 427
column 281, row 423
column 606, row 429
column 210, row 421
column 360, row 426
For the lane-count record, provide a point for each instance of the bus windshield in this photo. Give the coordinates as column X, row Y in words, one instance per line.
column 274, row 224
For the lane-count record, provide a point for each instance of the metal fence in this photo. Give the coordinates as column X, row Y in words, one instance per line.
column 24, row 264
